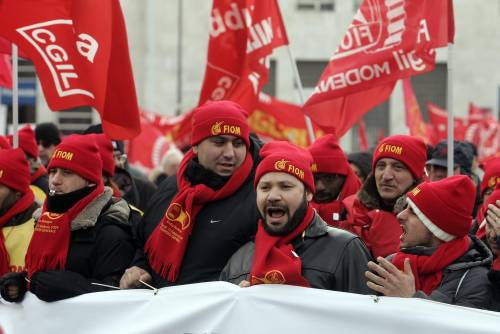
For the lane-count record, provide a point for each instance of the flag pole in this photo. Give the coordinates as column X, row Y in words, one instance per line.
column 179, row 57
column 449, row 106
column 310, row 130
column 15, row 97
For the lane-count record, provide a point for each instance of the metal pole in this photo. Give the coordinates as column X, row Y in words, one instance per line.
column 310, row 130
column 15, row 97
column 449, row 106
column 179, row 57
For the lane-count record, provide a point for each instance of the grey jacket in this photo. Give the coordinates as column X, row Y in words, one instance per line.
column 465, row 282
column 332, row 259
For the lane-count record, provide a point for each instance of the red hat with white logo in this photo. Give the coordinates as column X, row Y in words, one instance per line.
column 217, row 118
column 491, row 174
column 411, row 151
column 328, row 156
column 14, row 170
column 78, row 153
column 445, row 206
column 284, row 157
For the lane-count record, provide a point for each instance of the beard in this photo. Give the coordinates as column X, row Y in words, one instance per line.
column 292, row 222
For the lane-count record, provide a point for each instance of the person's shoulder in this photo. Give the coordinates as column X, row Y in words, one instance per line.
column 340, row 235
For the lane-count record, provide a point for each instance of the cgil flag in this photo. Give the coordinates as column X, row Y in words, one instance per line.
column 386, row 41
column 243, row 33
column 80, row 52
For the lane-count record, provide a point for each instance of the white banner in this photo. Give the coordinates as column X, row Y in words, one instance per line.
column 223, row 308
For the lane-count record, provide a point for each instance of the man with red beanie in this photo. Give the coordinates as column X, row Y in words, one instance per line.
column 39, row 177
column 82, row 238
column 334, row 179
column 199, row 217
column 293, row 244
column 437, row 259
column 17, row 204
column 398, row 166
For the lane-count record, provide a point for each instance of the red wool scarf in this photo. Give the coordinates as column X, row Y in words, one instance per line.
column 167, row 244
column 49, row 245
column 428, row 270
column 22, row 204
column 275, row 261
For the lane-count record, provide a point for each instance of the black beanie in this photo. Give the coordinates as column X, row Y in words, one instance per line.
column 47, row 134
column 363, row 160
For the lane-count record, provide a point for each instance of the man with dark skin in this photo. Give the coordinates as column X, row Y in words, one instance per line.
column 334, row 180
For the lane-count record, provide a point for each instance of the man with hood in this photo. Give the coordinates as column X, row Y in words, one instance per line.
column 82, row 240
column 293, row 244
column 398, row 166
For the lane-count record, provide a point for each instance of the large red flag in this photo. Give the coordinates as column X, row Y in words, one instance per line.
column 414, row 120
column 80, row 51
column 387, row 41
column 243, row 33
column 277, row 120
column 5, row 71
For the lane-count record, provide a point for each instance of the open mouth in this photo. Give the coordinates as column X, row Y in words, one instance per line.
column 403, row 235
column 275, row 213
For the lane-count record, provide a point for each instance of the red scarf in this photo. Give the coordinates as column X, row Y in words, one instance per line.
column 275, row 261
column 167, row 244
column 428, row 270
column 21, row 205
column 49, row 245
column 39, row 172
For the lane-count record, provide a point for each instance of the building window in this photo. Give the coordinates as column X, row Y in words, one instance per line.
column 316, row 5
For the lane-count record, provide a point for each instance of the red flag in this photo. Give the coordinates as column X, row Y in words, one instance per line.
column 414, row 120
column 5, row 71
column 438, row 118
column 80, row 51
column 243, row 33
column 277, row 120
column 387, row 41
column 483, row 131
column 147, row 149
column 362, row 137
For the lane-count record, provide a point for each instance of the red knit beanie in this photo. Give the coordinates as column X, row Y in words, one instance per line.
column 216, row 118
column 491, row 174
column 445, row 206
column 27, row 141
column 409, row 150
column 14, row 170
column 284, row 157
column 106, row 152
column 328, row 156
column 78, row 153
column 4, row 143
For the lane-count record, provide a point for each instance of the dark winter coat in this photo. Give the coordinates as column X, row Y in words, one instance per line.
column 100, row 250
column 220, row 229
column 332, row 259
column 465, row 282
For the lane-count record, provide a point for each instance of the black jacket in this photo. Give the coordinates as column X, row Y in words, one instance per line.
column 100, row 250
column 494, row 277
column 465, row 282
column 332, row 259
column 220, row 229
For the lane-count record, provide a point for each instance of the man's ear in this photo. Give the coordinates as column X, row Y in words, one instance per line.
column 309, row 195
column 195, row 149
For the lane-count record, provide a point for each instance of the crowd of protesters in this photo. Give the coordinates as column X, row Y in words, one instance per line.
column 75, row 218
